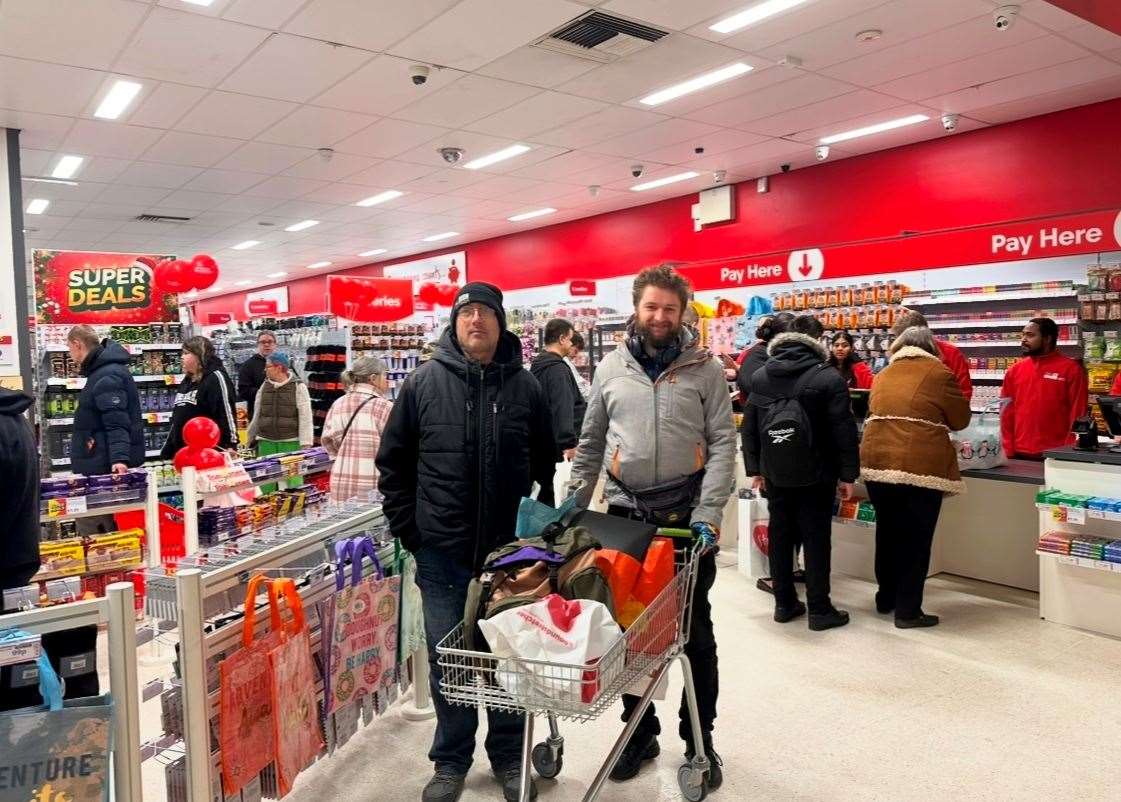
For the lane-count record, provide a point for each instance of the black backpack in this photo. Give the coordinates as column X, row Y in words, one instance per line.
column 787, row 455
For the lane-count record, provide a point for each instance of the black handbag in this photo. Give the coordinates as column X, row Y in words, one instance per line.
column 667, row 504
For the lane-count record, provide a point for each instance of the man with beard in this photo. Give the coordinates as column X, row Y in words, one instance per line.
column 660, row 419
column 468, row 436
column 1046, row 392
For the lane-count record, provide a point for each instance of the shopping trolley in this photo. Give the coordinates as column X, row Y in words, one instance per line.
column 643, row 653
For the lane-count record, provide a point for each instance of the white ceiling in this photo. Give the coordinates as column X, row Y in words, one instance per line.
column 238, row 97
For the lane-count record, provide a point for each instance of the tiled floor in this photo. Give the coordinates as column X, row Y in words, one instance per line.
column 992, row 705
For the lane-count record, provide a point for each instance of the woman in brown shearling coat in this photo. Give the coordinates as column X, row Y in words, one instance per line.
column 908, row 464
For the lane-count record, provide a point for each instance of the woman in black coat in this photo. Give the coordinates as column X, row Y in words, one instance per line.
column 206, row 392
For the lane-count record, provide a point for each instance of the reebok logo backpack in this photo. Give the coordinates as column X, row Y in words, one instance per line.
column 786, row 453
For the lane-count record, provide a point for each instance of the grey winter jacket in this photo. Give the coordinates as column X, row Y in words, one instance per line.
column 646, row 433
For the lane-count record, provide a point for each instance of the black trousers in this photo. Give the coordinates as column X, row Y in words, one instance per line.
column 801, row 514
column 701, row 651
column 906, row 517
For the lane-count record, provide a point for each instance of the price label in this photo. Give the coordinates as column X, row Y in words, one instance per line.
column 1058, row 513
column 170, row 380
column 1084, row 562
column 75, row 383
column 134, row 349
column 75, row 505
column 1076, row 515
column 19, row 649
column 56, row 507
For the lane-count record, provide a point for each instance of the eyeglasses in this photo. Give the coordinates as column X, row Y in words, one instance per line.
column 478, row 310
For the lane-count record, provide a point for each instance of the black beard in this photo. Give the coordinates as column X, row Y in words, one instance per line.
column 656, row 342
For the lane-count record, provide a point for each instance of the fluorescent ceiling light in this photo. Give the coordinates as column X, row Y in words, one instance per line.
column 303, row 225
column 242, row 283
column 277, row 274
column 497, row 156
column 249, row 243
column 38, row 206
column 316, row 265
column 530, row 215
column 438, row 237
column 374, row 200
column 115, row 103
column 51, row 181
column 875, row 129
column 374, row 252
column 696, row 84
column 67, row 166
column 199, row 2
column 754, row 14
column 661, row 182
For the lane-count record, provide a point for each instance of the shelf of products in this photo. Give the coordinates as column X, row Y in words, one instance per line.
column 1101, row 333
column 1005, row 292
column 1006, row 343
column 398, row 345
column 981, row 323
column 77, row 382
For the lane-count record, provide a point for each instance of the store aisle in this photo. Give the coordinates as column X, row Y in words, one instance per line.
column 993, row 704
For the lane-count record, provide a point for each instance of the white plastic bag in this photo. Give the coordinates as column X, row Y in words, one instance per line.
column 555, row 630
column 979, row 444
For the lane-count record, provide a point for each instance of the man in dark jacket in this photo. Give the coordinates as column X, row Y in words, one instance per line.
column 19, row 492
column 802, row 509
column 251, row 374
column 108, row 430
column 468, row 435
column 566, row 404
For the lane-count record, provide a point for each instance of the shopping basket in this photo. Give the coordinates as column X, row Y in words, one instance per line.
column 644, row 652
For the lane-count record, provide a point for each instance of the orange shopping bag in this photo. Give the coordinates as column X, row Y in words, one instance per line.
column 245, row 723
column 296, row 719
column 621, row 571
column 658, row 631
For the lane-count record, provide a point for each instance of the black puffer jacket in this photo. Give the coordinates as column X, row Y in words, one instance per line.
column 462, row 446
column 250, row 377
column 19, row 493
column 755, row 359
column 825, row 399
column 566, row 405
column 107, row 425
column 212, row 396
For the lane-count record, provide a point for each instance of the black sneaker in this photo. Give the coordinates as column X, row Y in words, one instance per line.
column 784, row 614
column 923, row 620
column 830, row 620
column 638, row 751
column 511, row 779
column 445, row 786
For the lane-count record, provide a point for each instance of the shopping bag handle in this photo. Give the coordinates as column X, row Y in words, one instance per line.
column 344, row 550
column 364, row 547
column 251, row 609
column 286, row 587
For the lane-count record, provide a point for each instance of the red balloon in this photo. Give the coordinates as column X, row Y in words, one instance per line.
column 174, row 276
column 200, row 433
column 208, row 458
column 445, row 294
column 203, row 271
column 184, row 457
column 428, row 293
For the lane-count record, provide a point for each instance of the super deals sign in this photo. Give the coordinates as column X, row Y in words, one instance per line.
column 82, row 287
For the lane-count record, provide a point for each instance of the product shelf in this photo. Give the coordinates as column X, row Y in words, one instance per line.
column 132, row 348
column 999, row 343
column 991, row 324
column 982, row 297
column 92, row 511
column 986, row 374
column 1082, row 562
column 77, row 383
column 1100, row 515
column 150, row 418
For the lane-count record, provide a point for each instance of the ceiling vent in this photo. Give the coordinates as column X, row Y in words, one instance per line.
column 600, row 37
column 161, row 218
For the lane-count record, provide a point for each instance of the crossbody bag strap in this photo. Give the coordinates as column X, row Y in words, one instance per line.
column 350, row 422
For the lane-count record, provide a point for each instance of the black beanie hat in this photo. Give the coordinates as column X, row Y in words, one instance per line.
column 479, row 292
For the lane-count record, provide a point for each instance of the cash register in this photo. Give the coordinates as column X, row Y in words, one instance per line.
column 1110, row 406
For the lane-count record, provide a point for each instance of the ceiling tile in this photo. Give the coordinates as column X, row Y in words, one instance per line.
column 985, row 68
column 542, row 112
column 388, row 138
column 188, row 48
column 1045, row 103
column 388, row 174
column 445, row 40
column 496, row 187
column 269, row 14
column 341, row 193
column 792, row 94
column 714, row 143
column 469, row 99
column 1050, row 16
column 238, row 116
column 369, row 24
column 597, row 127
column 46, row 88
column 444, row 181
column 811, row 17
column 1092, row 37
column 165, row 105
column 285, row 187
column 144, row 174
column 339, row 167
column 294, row 68
column 248, row 204
column 560, row 168
column 82, row 34
column 607, row 174
column 187, row 199
column 656, row 136
column 761, row 77
column 673, row 14
column 383, row 86
column 833, row 110
column 45, row 131
column 196, row 150
column 226, row 181
column 95, row 138
column 538, row 67
column 103, row 169
column 1050, row 79
column 313, row 127
column 438, row 204
column 121, row 193
column 261, row 157
column 34, row 162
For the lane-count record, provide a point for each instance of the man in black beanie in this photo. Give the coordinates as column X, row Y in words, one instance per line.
column 468, row 436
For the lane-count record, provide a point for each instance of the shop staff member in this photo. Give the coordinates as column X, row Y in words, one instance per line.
column 662, row 404
column 468, row 436
column 251, row 374
column 566, row 405
column 1046, row 392
column 951, row 355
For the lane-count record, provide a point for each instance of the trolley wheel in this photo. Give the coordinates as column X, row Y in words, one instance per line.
column 693, row 783
column 545, row 762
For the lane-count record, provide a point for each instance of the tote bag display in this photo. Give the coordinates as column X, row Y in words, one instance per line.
column 296, row 710
column 60, row 749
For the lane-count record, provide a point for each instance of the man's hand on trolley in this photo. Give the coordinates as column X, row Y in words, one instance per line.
column 707, row 534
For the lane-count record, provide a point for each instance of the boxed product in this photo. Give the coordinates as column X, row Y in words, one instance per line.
column 114, row 550
column 61, row 558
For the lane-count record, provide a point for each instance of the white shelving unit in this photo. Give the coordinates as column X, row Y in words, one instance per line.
column 981, row 297
column 992, row 324
column 999, row 343
column 77, row 383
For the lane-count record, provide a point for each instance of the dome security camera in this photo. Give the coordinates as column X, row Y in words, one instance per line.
column 593, row 190
column 950, row 122
column 637, row 170
column 785, row 167
column 418, row 74
column 822, row 152
column 452, row 155
column 719, row 176
column 1005, row 17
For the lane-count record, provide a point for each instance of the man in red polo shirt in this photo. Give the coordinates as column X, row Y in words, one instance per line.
column 951, row 355
column 1046, row 392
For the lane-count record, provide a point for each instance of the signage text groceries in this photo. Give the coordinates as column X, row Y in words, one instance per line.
column 1048, row 238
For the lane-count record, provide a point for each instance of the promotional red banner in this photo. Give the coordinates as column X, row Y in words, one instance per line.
column 581, row 288
column 218, row 318
column 1091, row 232
column 261, row 307
column 369, row 299
column 82, row 287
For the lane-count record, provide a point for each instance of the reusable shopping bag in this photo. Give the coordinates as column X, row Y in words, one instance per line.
column 574, row 632
column 246, row 732
column 655, row 573
column 296, row 711
column 361, row 620
column 59, row 750
column 979, row 444
column 411, row 637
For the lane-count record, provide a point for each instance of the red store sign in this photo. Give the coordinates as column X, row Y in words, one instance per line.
column 370, row 300
column 581, row 288
column 1090, row 232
